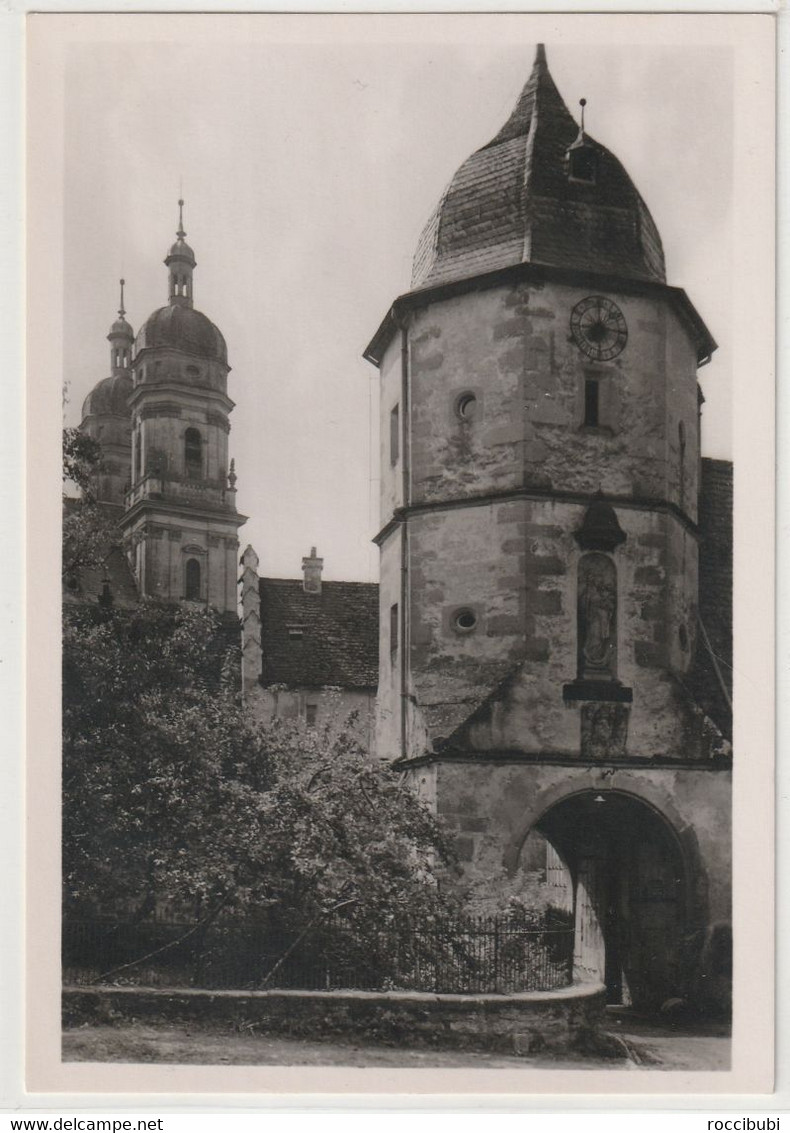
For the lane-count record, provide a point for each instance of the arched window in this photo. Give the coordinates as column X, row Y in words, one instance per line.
column 597, row 618
column 193, row 454
column 192, row 580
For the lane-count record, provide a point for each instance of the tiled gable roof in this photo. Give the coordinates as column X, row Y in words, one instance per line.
column 313, row 640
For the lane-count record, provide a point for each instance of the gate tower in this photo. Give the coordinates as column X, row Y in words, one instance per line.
column 539, row 542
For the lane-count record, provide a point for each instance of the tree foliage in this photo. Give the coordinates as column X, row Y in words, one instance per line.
column 81, row 459
column 89, row 533
column 173, row 796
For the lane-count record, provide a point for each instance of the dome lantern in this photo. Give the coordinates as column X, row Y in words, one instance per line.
column 181, row 262
column 121, row 337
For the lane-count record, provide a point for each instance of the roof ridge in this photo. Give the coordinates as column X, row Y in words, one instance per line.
column 324, row 582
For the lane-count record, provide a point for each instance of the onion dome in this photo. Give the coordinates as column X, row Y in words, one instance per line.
column 121, row 329
column 543, row 192
column 109, row 397
column 107, row 415
column 182, row 328
column 121, row 337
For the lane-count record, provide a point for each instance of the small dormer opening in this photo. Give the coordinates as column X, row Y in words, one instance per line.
column 582, row 164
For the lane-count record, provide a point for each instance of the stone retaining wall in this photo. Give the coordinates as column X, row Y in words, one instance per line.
column 554, row 1021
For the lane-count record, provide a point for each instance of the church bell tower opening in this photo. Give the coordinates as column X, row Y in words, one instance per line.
column 180, row 522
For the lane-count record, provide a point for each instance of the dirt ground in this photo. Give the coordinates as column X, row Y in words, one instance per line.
column 647, row 1045
column 672, row 1045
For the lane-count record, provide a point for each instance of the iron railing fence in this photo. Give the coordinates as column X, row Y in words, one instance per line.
column 462, row 955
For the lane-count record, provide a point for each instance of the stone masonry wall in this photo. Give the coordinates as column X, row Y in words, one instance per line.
column 493, row 805
column 511, row 346
column 513, row 1024
column 515, row 564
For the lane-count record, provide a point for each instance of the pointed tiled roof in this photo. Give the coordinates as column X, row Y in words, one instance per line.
column 513, row 202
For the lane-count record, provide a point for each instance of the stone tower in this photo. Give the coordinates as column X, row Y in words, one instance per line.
column 539, row 550
column 180, row 524
column 106, row 417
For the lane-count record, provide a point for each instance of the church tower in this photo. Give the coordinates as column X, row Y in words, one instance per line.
column 539, row 548
column 180, row 524
column 106, row 416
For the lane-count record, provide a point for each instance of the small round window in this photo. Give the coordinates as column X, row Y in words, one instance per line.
column 466, row 406
column 464, row 621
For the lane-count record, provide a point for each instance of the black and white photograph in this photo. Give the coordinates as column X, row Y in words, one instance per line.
column 398, row 368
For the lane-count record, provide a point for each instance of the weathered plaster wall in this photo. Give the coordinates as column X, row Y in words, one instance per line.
column 492, row 806
column 511, row 347
column 168, row 540
column 332, row 708
column 515, row 565
column 388, row 708
column 164, row 419
column 514, row 562
column 390, row 395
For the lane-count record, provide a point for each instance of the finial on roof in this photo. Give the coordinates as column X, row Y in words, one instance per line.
column 232, row 477
column 181, row 233
column 540, row 55
column 582, row 104
column 121, row 310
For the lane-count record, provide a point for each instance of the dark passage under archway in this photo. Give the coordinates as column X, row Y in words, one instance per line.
column 617, row 864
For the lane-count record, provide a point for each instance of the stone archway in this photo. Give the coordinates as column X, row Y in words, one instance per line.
column 617, row 863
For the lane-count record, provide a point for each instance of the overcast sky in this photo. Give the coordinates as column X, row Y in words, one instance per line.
column 308, row 170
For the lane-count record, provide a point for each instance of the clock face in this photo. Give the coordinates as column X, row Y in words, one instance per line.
column 598, row 328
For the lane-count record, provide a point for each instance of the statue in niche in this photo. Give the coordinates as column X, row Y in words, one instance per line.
column 597, row 617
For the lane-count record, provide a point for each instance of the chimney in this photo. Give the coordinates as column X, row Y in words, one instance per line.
column 312, row 568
